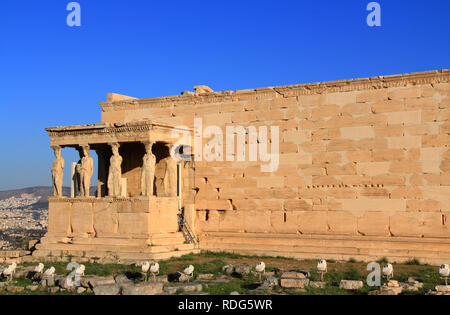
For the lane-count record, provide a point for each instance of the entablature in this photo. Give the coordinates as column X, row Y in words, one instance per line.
column 104, row 133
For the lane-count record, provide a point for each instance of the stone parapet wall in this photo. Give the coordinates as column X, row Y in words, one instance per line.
column 359, row 158
column 10, row 256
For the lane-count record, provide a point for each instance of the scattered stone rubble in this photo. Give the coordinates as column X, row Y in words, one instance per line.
column 109, row 285
column 393, row 287
column 205, row 276
column 351, row 285
column 179, row 283
column 294, row 279
column 440, row 290
column 239, row 271
column 17, row 256
column 317, row 284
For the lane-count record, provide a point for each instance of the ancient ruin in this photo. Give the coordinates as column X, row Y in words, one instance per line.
column 364, row 173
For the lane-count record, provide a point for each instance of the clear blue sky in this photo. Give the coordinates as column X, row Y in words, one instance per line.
column 52, row 74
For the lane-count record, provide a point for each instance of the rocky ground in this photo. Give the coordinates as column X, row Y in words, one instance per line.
column 224, row 274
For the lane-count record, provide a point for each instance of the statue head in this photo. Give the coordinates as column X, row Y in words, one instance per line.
column 115, row 148
column 148, row 147
column 85, row 150
column 57, row 150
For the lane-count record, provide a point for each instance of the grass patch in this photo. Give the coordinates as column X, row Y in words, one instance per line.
column 413, row 262
column 212, row 263
column 383, row 260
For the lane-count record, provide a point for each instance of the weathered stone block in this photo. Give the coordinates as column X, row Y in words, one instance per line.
column 405, row 118
column 405, row 167
column 147, row 288
column 356, row 109
column 389, row 155
column 375, row 192
column 435, row 225
column 312, row 222
column 373, row 224
column 374, row 205
column 341, row 98
column 351, row 285
column 59, row 217
column 406, row 224
column 389, row 131
column 257, row 221
column 421, row 103
column 284, row 222
column 341, row 145
column 406, row 142
column 443, row 288
column 389, row 180
column 404, row 92
column 433, row 141
column 373, row 168
column 294, row 283
column 312, row 100
column 327, row 157
column 372, row 95
column 388, row 106
column 359, row 156
column 231, row 221
column 107, row 289
column 295, row 275
column 297, row 205
column 346, row 169
column 296, row 136
column 106, row 219
column 342, row 223
column 133, row 223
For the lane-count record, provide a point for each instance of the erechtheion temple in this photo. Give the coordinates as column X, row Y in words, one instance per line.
column 363, row 172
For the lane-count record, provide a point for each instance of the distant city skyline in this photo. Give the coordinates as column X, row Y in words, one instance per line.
column 55, row 75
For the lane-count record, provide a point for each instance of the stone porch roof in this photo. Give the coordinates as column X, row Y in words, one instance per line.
column 108, row 133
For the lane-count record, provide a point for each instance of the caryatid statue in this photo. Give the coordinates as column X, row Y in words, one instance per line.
column 57, row 172
column 86, row 171
column 148, row 171
column 171, row 176
column 115, row 172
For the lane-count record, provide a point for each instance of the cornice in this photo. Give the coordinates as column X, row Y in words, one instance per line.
column 373, row 83
column 93, row 199
column 133, row 127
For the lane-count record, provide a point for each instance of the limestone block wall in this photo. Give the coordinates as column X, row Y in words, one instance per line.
column 138, row 217
column 358, row 158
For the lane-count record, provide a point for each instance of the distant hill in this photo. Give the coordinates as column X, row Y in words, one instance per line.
column 42, row 191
